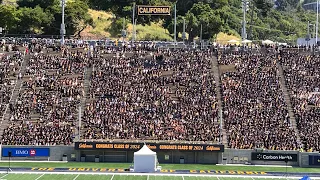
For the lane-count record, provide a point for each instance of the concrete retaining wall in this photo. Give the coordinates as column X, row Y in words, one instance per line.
column 230, row 156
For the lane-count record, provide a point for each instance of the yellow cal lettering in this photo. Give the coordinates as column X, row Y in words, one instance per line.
column 112, row 170
column 202, row 171
column 95, row 169
column 164, row 170
column 120, row 170
column 193, row 171
column 240, row 172
column 263, row 173
column 72, row 169
column 50, row 169
column 249, row 172
column 42, row 169
column 172, row 171
column 81, row 169
column 103, row 169
column 231, row 172
column 32, row 169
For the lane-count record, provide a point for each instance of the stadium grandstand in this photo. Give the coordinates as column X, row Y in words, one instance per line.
column 159, row 95
column 260, row 100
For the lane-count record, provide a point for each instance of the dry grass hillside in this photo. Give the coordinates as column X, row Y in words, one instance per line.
column 102, row 21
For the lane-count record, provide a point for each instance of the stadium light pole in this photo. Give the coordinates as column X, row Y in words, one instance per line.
column 63, row 27
column 123, row 30
column 308, row 29
column 184, row 30
column 317, row 23
column 201, row 36
column 175, row 24
column 244, row 9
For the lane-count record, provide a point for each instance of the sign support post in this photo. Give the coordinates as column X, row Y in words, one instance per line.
column 133, row 22
column 63, row 27
column 317, row 23
column 184, row 30
column 9, row 168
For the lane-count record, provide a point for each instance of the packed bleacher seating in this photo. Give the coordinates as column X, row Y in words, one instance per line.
column 148, row 96
column 45, row 110
column 255, row 113
column 9, row 71
column 143, row 97
column 302, row 78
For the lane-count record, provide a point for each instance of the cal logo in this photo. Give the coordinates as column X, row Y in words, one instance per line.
column 32, row 152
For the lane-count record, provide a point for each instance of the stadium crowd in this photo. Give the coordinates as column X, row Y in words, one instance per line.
column 255, row 113
column 170, row 97
column 45, row 111
column 160, row 95
column 302, row 78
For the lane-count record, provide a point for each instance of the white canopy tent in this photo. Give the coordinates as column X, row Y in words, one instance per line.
column 268, row 42
column 145, row 160
column 246, row 41
column 233, row 41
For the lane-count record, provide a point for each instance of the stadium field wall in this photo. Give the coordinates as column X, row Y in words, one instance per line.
column 229, row 156
column 56, row 153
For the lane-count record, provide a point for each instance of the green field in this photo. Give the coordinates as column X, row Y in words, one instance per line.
column 89, row 176
column 116, row 177
column 164, row 166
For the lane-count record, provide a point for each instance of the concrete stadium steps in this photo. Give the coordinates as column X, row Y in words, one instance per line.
column 86, row 85
column 288, row 101
column 216, row 71
column 15, row 93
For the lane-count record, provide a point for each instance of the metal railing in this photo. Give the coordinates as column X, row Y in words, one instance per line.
column 149, row 141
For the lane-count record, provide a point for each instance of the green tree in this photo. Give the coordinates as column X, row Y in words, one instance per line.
column 8, row 18
column 77, row 17
column 116, row 26
column 202, row 14
column 264, row 6
column 33, row 20
column 41, row 3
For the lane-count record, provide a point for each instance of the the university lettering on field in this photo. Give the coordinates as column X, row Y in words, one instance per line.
column 162, row 171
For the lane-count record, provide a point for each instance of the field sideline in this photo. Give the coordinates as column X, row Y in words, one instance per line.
column 76, row 175
column 130, row 176
column 47, row 164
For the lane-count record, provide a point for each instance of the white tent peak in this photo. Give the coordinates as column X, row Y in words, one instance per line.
column 145, row 160
column 267, row 42
column 145, row 151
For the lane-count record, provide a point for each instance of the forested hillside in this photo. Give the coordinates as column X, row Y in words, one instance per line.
column 281, row 20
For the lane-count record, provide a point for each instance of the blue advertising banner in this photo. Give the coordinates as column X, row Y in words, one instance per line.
column 25, row 152
column 314, row 160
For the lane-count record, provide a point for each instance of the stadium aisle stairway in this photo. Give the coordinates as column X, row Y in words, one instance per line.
column 15, row 93
column 216, row 72
column 87, row 78
column 288, row 102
